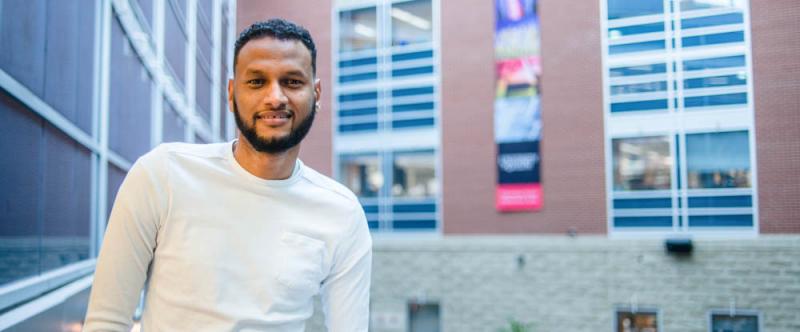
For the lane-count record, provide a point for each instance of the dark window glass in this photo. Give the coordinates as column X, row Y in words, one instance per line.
column 635, row 30
column 115, row 177
column 712, row 21
column 717, row 38
column 69, row 74
column 23, row 30
column 715, row 81
column 370, row 126
column 129, row 100
column 203, row 91
column 175, row 39
column 714, row 63
column 642, row 163
column 146, row 11
column 639, row 88
column 627, row 8
column 657, row 68
column 643, row 203
column 637, row 47
column 706, row 4
column 718, row 160
column 358, row 112
column 361, row 174
column 46, row 216
column 654, row 221
column 174, row 125
column 358, row 96
column 737, row 220
column 411, row 22
column 645, row 105
column 423, row 317
column 425, row 122
column 21, row 180
column 358, row 77
column 66, row 212
column 358, row 30
column 734, row 323
column 716, row 100
column 637, row 321
column 414, row 174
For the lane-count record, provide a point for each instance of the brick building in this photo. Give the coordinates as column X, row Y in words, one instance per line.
column 660, row 120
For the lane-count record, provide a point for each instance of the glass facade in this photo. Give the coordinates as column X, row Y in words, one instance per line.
column 679, row 116
column 386, row 137
column 73, row 138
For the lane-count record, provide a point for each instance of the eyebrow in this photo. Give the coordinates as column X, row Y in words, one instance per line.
column 294, row 72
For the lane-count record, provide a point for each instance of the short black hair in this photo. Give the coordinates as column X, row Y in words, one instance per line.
column 280, row 29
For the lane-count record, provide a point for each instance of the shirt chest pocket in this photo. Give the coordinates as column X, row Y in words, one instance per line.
column 301, row 269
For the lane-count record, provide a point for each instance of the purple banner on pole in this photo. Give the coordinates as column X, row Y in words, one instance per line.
column 517, row 111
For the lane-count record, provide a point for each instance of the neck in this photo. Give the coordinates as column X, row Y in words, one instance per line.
column 268, row 166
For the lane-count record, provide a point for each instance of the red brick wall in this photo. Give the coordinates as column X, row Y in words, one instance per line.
column 317, row 150
column 775, row 31
column 572, row 119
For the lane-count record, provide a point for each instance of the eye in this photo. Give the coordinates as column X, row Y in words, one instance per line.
column 256, row 82
column 293, row 83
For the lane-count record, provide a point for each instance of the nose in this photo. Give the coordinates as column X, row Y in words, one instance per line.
column 275, row 99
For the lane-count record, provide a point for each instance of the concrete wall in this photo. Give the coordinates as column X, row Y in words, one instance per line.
column 575, row 284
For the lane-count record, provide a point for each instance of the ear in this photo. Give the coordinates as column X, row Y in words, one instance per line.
column 317, row 91
column 230, row 95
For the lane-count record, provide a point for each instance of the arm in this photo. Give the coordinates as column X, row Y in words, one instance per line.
column 128, row 246
column 345, row 293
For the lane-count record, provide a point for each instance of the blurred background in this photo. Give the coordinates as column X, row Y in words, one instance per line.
column 525, row 165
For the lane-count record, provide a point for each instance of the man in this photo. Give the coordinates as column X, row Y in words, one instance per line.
column 239, row 236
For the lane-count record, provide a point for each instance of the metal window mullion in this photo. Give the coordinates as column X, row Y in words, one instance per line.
column 752, row 129
column 95, row 217
column 103, row 120
column 192, row 119
column 229, row 122
column 216, row 24
column 157, row 112
column 681, row 130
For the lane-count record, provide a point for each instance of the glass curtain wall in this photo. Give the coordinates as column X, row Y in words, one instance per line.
column 679, row 116
column 386, row 100
column 73, row 137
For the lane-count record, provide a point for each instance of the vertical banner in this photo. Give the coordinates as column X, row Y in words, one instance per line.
column 517, row 114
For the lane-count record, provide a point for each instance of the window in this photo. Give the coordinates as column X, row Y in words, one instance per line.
column 411, row 22
column 734, row 322
column 414, row 175
column 679, row 116
column 626, row 8
column 423, row 317
column 175, row 39
column 358, row 30
column 362, row 174
column 718, row 160
column 639, row 321
column 642, row 163
column 129, row 100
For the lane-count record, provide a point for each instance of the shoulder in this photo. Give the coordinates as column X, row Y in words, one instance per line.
column 329, row 185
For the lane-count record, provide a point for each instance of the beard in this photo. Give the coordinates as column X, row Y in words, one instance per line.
column 278, row 144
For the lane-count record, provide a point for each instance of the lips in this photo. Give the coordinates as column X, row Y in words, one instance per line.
column 274, row 118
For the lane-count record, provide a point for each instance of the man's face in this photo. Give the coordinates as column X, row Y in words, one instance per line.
column 273, row 93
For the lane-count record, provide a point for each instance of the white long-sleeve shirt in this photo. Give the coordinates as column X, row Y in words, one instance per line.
column 224, row 250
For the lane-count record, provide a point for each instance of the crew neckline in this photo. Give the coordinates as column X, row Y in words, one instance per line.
column 296, row 172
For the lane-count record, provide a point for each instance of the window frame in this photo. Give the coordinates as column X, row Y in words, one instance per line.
column 734, row 311
column 676, row 119
column 635, row 310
